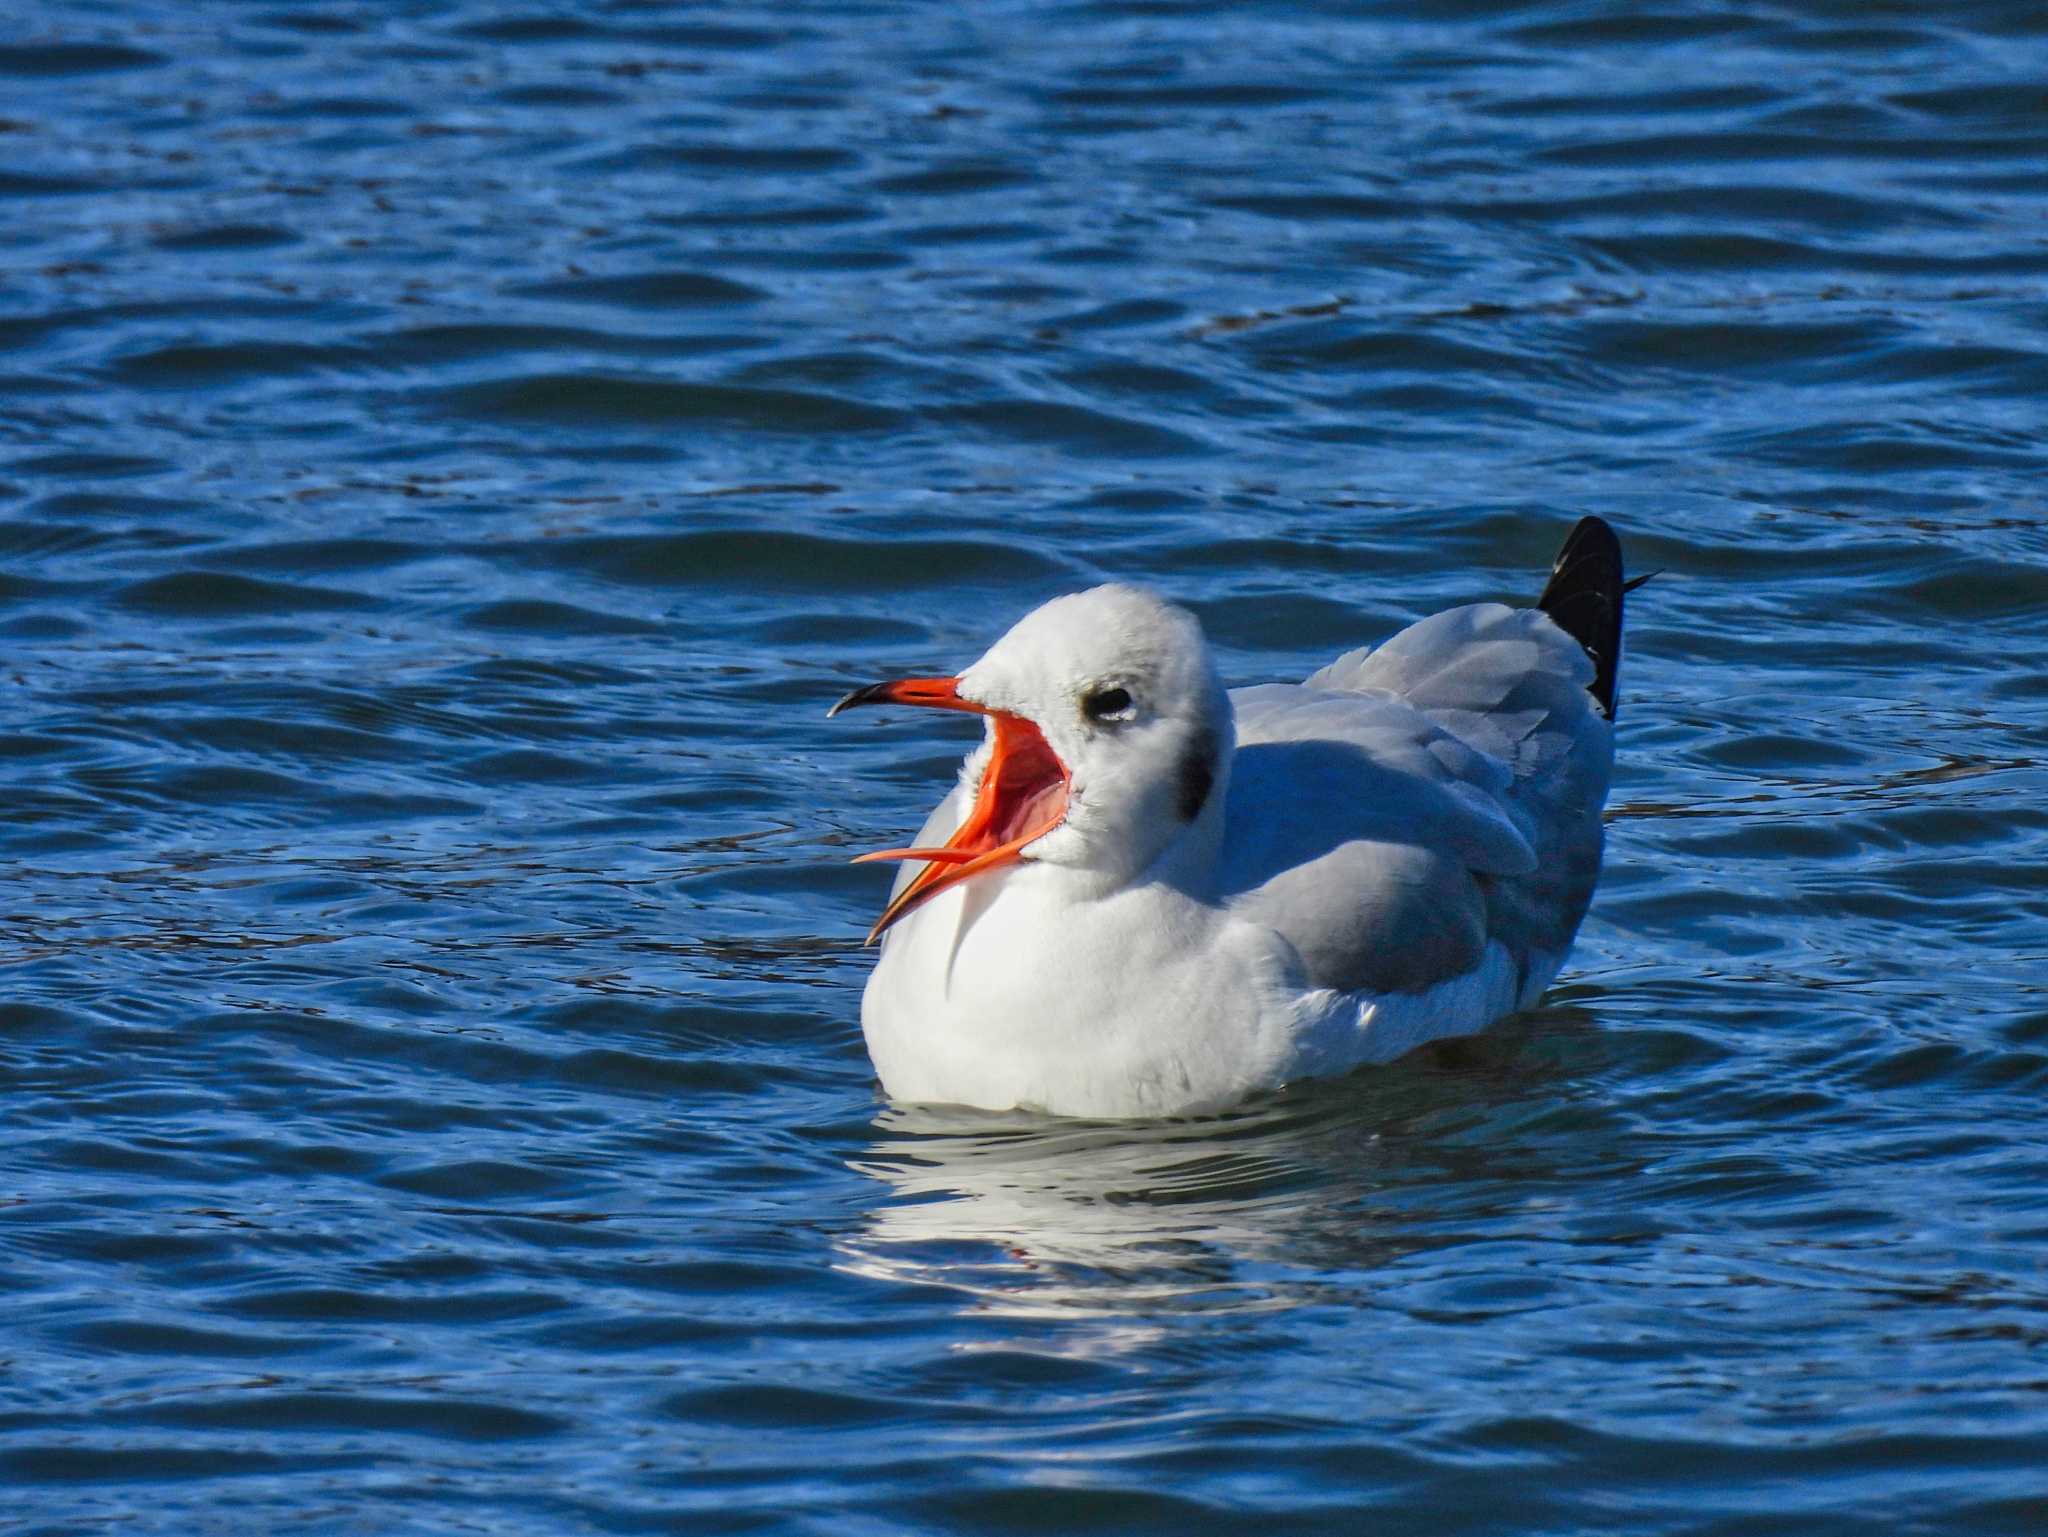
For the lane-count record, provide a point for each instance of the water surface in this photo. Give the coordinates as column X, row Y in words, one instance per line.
column 451, row 454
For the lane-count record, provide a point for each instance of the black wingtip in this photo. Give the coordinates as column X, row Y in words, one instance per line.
column 1584, row 599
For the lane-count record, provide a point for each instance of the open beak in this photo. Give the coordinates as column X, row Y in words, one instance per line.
column 1023, row 795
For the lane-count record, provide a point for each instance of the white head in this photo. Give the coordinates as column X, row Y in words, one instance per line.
column 1109, row 740
column 1120, row 684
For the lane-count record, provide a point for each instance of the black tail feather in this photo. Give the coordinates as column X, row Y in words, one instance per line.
column 1584, row 597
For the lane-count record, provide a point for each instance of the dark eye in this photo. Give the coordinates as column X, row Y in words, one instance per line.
column 1107, row 704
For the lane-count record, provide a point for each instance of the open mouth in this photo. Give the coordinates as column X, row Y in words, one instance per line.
column 1023, row 796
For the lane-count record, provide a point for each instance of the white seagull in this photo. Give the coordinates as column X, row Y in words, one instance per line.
column 1149, row 896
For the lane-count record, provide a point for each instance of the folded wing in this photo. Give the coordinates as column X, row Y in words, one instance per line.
column 1440, row 793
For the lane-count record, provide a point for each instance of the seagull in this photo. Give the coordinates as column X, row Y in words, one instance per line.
column 1150, row 896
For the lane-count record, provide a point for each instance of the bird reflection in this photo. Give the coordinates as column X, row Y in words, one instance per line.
column 1282, row 1202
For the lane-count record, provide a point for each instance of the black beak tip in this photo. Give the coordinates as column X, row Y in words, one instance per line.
column 846, row 702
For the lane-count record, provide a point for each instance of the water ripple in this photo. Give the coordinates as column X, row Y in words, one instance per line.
column 453, row 460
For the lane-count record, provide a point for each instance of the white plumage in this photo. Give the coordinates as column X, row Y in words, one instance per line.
column 1148, row 896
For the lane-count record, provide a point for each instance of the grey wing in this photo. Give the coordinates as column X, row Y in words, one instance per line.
column 1406, row 806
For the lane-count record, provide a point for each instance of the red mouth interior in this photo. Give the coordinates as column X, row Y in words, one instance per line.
column 1023, row 796
column 1022, row 783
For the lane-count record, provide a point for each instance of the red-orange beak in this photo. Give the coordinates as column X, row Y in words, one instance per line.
column 1023, row 795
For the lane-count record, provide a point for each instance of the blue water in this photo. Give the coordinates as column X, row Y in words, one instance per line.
column 452, row 453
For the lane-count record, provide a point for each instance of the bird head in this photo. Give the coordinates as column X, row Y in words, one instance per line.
column 1107, row 736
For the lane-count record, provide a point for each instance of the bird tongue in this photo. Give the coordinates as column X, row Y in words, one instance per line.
column 1023, row 796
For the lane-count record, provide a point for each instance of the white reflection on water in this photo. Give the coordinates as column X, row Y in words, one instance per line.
column 1291, row 1200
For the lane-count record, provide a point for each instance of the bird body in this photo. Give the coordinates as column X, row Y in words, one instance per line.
column 1147, row 896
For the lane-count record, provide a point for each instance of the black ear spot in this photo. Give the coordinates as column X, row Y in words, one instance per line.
column 1197, row 775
